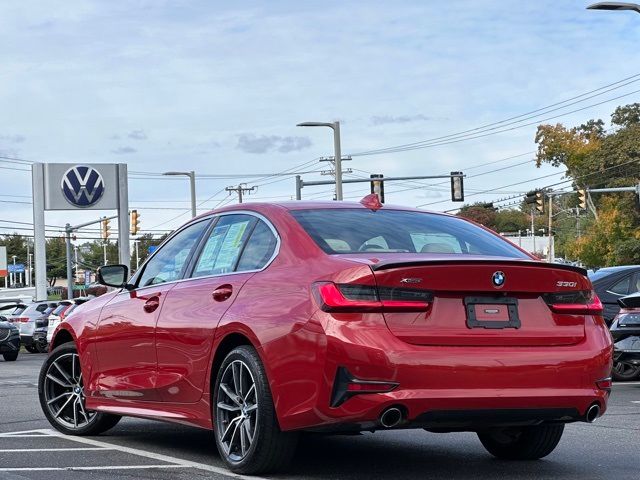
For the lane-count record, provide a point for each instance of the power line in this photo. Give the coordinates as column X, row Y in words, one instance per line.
column 497, row 125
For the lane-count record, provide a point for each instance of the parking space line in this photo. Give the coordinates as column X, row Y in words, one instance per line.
column 25, row 434
column 76, row 449
column 111, row 467
column 154, row 456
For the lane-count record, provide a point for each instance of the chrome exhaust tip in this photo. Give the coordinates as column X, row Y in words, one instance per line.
column 391, row 417
column 592, row 413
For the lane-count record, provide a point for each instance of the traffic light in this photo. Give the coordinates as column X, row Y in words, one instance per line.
column 135, row 222
column 105, row 228
column 530, row 198
column 457, row 187
column 377, row 186
column 540, row 201
column 582, row 198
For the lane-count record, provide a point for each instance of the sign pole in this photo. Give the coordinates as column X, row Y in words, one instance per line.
column 39, row 241
column 123, row 216
column 69, row 263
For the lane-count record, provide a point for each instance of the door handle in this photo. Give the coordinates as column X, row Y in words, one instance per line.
column 151, row 305
column 222, row 293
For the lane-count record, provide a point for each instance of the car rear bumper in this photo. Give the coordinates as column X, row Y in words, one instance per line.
column 443, row 387
column 631, row 357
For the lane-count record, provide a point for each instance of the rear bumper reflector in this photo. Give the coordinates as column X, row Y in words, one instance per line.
column 346, row 386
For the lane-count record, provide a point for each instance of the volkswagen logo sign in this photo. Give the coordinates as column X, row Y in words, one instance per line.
column 498, row 279
column 82, row 186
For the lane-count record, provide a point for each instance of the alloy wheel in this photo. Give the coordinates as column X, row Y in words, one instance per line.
column 64, row 392
column 236, row 410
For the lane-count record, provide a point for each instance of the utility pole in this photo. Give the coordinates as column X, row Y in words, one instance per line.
column 549, row 235
column 135, row 243
column 70, row 279
column 240, row 189
column 75, row 253
column 28, row 282
column 533, row 231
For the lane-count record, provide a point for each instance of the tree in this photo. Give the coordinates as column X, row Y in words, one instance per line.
column 612, row 239
column 596, row 159
column 56, row 259
column 16, row 245
column 480, row 213
column 512, row 220
column 626, row 116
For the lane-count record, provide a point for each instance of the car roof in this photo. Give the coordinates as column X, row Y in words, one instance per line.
column 292, row 205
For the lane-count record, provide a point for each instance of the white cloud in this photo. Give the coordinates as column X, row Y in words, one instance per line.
column 75, row 71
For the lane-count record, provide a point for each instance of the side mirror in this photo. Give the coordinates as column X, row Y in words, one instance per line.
column 114, row 276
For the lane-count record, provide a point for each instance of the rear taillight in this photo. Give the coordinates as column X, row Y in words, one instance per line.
column 22, row 320
column 628, row 320
column 333, row 297
column 581, row 302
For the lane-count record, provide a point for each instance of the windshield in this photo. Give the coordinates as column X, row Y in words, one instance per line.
column 340, row 231
column 60, row 308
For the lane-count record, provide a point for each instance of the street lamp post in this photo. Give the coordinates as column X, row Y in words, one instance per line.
column 615, row 6
column 335, row 126
column 13, row 282
column 192, row 183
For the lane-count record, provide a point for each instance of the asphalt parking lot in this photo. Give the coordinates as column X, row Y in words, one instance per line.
column 29, row 449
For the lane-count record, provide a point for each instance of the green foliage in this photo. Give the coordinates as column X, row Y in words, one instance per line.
column 596, row 159
column 56, row 259
column 502, row 221
column 626, row 116
column 16, row 245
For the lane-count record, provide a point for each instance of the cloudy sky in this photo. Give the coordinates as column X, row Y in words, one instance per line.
column 218, row 87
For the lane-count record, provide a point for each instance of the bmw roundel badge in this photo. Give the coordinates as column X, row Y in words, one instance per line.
column 498, row 279
column 82, row 186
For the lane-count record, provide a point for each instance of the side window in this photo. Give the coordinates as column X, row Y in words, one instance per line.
column 635, row 284
column 259, row 248
column 224, row 245
column 169, row 262
column 622, row 287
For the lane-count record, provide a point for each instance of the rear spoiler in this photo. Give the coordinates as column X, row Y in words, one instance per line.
column 388, row 265
column 631, row 301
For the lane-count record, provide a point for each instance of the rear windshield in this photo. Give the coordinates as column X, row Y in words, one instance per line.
column 60, row 308
column 358, row 231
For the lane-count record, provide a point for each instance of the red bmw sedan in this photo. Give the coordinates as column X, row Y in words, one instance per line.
column 260, row 321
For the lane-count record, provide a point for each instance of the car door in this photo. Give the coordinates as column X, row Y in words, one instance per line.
column 237, row 246
column 125, row 334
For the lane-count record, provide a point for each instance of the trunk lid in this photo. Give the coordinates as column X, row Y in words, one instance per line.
column 486, row 302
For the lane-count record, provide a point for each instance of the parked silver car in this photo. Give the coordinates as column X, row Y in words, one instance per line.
column 27, row 322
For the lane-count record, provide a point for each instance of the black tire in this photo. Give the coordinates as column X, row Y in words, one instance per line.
column 624, row 372
column 270, row 448
column 42, row 347
column 10, row 357
column 31, row 348
column 522, row 443
column 96, row 422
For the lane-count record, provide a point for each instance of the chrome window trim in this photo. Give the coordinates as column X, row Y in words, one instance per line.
column 276, row 252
